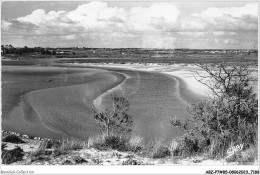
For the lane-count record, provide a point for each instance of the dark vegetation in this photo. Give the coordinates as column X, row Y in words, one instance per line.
column 9, row 49
column 52, row 144
column 10, row 156
column 132, row 162
column 12, row 139
column 161, row 152
column 229, row 118
column 113, row 142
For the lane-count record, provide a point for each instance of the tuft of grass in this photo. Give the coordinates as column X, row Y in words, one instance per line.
column 14, row 155
column 12, row 139
column 103, row 142
column 249, row 156
column 132, row 143
column 69, row 144
column 136, row 143
column 116, row 143
column 41, row 154
column 245, row 157
column 234, row 158
column 52, row 144
column 160, row 150
column 95, row 140
column 174, row 147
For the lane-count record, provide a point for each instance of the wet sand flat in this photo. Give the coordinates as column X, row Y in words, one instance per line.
column 52, row 102
column 56, row 102
column 154, row 98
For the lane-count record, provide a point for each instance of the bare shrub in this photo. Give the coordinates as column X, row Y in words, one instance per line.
column 230, row 116
column 116, row 119
column 159, row 150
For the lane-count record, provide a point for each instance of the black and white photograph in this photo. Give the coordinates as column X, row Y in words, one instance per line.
column 159, row 85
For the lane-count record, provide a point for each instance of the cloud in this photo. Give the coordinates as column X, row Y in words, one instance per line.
column 193, row 34
column 70, row 37
column 5, row 25
column 158, row 41
column 219, row 33
column 226, row 41
column 249, row 10
column 159, row 16
column 99, row 17
column 39, row 17
column 223, row 19
column 222, row 33
column 160, row 25
column 99, row 20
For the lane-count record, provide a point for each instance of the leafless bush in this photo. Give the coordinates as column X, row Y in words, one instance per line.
column 229, row 117
column 116, row 119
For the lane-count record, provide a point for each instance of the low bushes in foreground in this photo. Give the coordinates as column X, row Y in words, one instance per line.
column 10, row 156
column 156, row 149
column 69, row 144
column 104, row 142
column 117, row 142
column 56, row 148
column 12, row 139
column 228, row 118
column 41, row 154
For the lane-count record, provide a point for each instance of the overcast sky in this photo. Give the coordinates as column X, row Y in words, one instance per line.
column 199, row 25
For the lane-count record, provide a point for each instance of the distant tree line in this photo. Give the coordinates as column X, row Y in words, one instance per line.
column 9, row 49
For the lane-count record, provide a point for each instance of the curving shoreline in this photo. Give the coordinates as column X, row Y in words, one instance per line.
column 157, row 97
column 98, row 101
column 183, row 72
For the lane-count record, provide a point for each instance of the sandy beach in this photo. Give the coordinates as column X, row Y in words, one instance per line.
column 186, row 73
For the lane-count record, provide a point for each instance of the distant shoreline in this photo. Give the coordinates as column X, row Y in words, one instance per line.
column 182, row 71
column 185, row 72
